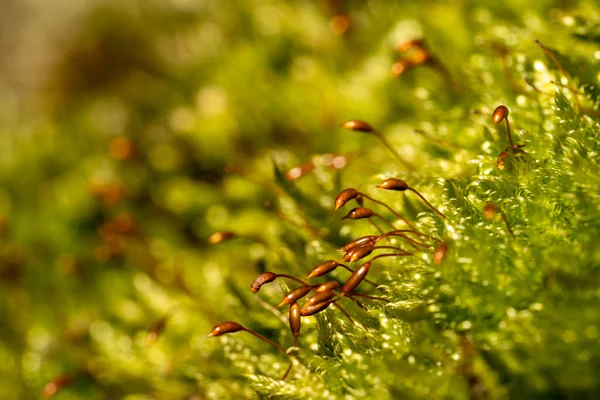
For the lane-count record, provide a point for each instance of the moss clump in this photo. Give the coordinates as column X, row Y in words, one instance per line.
column 169, row 122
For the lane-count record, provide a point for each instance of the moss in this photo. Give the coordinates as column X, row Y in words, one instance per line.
column 101, row 248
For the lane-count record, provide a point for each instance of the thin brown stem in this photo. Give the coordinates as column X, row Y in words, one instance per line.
column 560, row 68
column 293, row 278
column 213, row 239
column 435, row 210
column 412, row 242
column 437, row 140
column 581, row 108
column 589, row 111
column 392, row 233
column 535, row 88
column 376, row 226
column 446, row 76
column 394, row 151
column 344, row 312
column 392, row 248
column 287, row 372
column 531, row 84
column 390, row 255
column 264, row 339
column 384, row 220
column 505, row 219
column 305, row 227
column 390, row 209
column 567, row 87
column 270, row 308
column 510, row 140
column 355, row 301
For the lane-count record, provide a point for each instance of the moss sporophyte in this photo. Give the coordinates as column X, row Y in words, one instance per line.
column 416, row 257
column 252, row 167
column 331, row 293
column 313, row 300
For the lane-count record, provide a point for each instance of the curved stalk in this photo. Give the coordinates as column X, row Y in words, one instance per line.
column 505, row 219
column 404, row 252
column 289, row 369
column 390, row 209
column 376, row 226
column 510, row 140
column 393, row 151
column 389, row 255
column 412, row 242
column 300, row 281
column 391, row 233
column 264, row 339
column 384, row 220
column 343, row 311
column 435, row 210
column 446, row 76
column 559, row 66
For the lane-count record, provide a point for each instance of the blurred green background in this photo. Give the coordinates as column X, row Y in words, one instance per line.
column 132, row 131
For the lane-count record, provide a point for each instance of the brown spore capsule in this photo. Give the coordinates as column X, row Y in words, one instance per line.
column 295, row 321
column 319, row 298
column 314, row 309
column 323, row 268
column 260, row 280
column 419, row 56
column 299, row 171
column 327, row 287
column 219, row 237
column 499, row 114
column 500, row 162
column 357, row 125
column 359, row 252
column 359, row 213
column 345, row 196
column 225, row 327
column 359, row 242
column 360, row 199
column 121, row 148
column 156, row 330
column 52, row 387
column 490, row 210
column 356, row 278
column 294, row 295
column 400, row 185
column 410, row 44
column 339, row 24
column 393, row 184
column 400, row 67
column 440, row 253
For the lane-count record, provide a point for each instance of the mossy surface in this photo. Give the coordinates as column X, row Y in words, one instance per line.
column 160, row 124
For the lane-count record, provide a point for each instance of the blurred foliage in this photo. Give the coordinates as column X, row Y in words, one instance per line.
column 132, row 131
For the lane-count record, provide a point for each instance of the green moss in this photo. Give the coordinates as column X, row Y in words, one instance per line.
column 219, row 99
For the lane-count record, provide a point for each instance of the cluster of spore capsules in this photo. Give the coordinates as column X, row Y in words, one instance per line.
column 309, row 299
